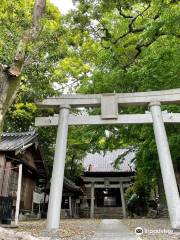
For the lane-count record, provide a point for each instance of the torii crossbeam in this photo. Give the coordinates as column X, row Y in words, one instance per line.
column 109, row 104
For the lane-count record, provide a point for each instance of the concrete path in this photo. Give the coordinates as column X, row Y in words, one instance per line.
column 113, row 229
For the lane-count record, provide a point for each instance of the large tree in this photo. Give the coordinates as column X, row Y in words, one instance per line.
column 114, row 46
column 126, row 46
column 39, row 78
column 14, row 60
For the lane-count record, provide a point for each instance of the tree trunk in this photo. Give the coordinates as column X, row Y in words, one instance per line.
column 10, row 76
column 8, row 89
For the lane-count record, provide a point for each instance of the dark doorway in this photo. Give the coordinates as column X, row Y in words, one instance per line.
column 108, row 197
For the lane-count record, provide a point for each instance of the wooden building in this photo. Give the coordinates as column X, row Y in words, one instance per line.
column 70, row 199
column 105, row 185
column 21, row 148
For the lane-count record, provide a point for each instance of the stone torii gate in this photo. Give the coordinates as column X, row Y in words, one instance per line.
column 109, row 104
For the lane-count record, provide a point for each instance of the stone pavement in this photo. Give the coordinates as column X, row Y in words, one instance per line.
column 113, row 229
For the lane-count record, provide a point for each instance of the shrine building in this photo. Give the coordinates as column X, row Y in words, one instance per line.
column 105, row 185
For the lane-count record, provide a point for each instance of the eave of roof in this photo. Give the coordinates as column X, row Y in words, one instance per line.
column 68, row 184
column 19, row 141
column 109, row 174
column 15, row 140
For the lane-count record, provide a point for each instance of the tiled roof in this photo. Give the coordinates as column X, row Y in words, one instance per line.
column 104, row 163
column 17, row 141
column 70, row 185
column 14, row 141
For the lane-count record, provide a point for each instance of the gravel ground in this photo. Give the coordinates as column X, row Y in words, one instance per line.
column 84, row 229
column 154, row 229
column 70, row 229
column 9, row 234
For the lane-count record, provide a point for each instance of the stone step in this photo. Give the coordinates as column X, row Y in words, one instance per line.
column 108, row 217
column 108, row 209
column 108, row 213
column 103, row 213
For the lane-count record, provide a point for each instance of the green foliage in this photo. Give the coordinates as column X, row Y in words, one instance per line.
column 103, row 46
column 15, row 17
column 21, row 116
column 134, row 46
column 38, row 77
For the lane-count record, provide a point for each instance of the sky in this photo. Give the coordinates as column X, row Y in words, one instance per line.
column 63, row 5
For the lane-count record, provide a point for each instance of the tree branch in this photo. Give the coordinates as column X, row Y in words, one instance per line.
column 141, row 46
column 119, row 8
column 30, row 35
column 130, row 26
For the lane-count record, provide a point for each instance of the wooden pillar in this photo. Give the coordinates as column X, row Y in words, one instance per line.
column 123, row 200
column 2, row 166
column 6, row 179
column 18, row 198
column 92, row 201
column 70, row 206
column 32, row 208
column 75, row 208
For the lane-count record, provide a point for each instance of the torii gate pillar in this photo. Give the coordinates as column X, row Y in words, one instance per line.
column 55, row 198
column 168, row 176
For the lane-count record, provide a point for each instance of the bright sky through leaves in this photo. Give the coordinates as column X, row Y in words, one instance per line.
column 63, row 5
